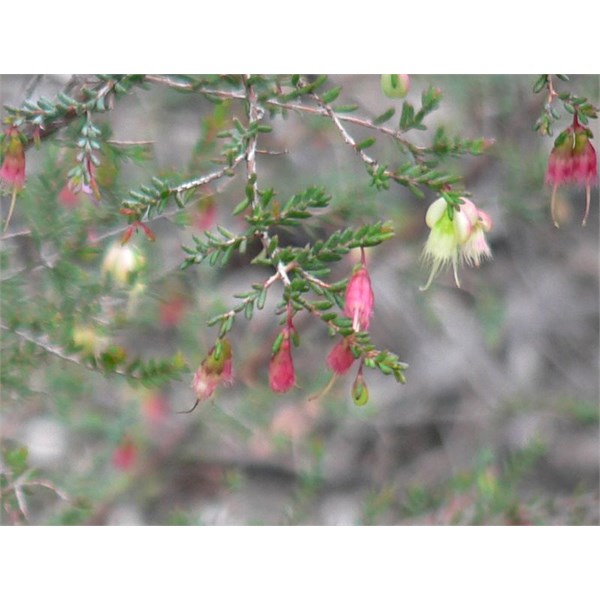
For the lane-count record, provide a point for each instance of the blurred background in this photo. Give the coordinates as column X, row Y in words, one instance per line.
column 497, row 423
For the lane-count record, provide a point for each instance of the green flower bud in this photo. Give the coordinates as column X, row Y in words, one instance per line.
column 395, row 86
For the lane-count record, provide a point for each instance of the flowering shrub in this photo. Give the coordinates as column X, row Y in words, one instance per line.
column 100, row 248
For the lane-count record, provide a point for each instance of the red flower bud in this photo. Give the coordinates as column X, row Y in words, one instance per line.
column 340, row 358
column 282, row 376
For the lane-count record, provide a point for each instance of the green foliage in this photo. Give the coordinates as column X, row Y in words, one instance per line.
column 571, row 103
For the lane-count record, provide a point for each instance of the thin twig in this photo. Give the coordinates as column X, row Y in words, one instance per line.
column 58, row 352
column 319, row 111
column 199, row 181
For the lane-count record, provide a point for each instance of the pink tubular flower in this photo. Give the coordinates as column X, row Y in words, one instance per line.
column 282, row 376
column 340, row 358
column 573, row 160
column 456, row 239
column 216, row 368
column 359, row 300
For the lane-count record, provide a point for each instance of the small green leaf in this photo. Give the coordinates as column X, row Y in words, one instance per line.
column 249, row 310
column 383, row 117
column 345, row 108
column 331, row 95
column 277, row 344
column 407, row 116
column 540, row 83
column 262, row 297
column 366, row 143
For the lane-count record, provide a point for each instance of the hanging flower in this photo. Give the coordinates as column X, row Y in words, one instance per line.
column 282, row 376
column 573, row 160
column 455, row 238
column 122, row 263
column 216, row 368
column 359, row 301
column 12, row 171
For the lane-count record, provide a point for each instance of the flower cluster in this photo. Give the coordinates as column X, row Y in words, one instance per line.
column 358, row 306
column 359, row 302
column 456, row 236
column 572, row 160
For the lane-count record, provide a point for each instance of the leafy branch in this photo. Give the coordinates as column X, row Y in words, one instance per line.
column 571, row 103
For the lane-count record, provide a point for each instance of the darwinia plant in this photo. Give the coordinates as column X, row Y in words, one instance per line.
column 84, row 212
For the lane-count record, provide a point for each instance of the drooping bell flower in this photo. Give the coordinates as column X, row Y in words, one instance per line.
column 282, row 375
column 12, row 171
column 122, row 263
column 359, row 301
column 455, row 237
column 573, row 160
column 215, row 369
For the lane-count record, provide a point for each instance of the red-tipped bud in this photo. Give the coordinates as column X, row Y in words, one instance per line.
column 340, row 358
column 12, row 170
column 91, row 177
column 216, row 368
column 147, row 231
column 127, row 235
column 359, row 301
column 282, row 375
